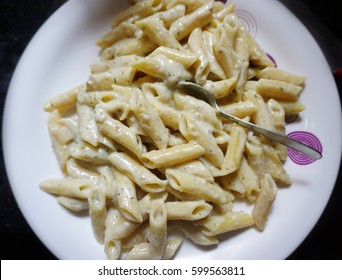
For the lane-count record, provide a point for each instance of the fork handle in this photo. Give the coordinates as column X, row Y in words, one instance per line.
column 287, row 141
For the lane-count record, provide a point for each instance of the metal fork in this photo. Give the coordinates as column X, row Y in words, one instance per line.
column 201, row 93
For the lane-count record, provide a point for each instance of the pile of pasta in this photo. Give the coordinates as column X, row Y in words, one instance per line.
column 144, row 158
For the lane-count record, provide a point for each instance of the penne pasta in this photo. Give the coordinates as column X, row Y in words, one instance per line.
column 198, row 18
column 184, row 57
column 192, row 131
column 98, row 210
column 196, row 186
column 273, row 73
column 73, row 204
column 64, row 101
column 158, row 228
column 137, row 172
column 75, row 188
column 278, row 89
column 264, row 201
column 196, row 235
column 172, row 156
column 127, row 201
column 149, row 163
column 230, row 221
column 235, row 150
column 150, row 120
column 187, row 210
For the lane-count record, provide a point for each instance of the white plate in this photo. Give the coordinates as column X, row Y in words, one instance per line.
column 57, row 59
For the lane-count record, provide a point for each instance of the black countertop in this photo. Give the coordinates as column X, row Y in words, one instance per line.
column 20, row 19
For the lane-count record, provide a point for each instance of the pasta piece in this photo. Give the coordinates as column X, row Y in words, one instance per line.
column 87, row 124
column 162, row 68
column 196, row 186
column 221, row 11
column 88, row 153
column 75, row 188
column 108, row 174
column 249, row 180
column 187, row 210
column 192, row 130
column 137, row 172
column 222, row 88
column 123, row 76
column 224, row 40
column 98, row 210
column 236, row 147
column 200, row 17
column 214, row 65
column 117, row 131
column 195, row 233
column 230, row 221
column 273, row 73
column 292, row 108
column 155, row 30
column 168, row 16
column 112, row 248
column 140, row 46
column 158, row 227
column 186, row 58
column 257, row 55
column 127, row 198
column 106, row 65
column 149, row 120
column 263, row 203
column 197, row 46
column 278, row 89
column 64, row 101
column 73, row 204
column 240, row 109
column 262, row 116
column 112, row 243
column 196, row 168
column 172, row 156
column 93, row 98
column 278, row 117
column 242, row 55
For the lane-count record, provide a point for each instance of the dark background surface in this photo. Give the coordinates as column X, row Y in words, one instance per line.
column 20, row 19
